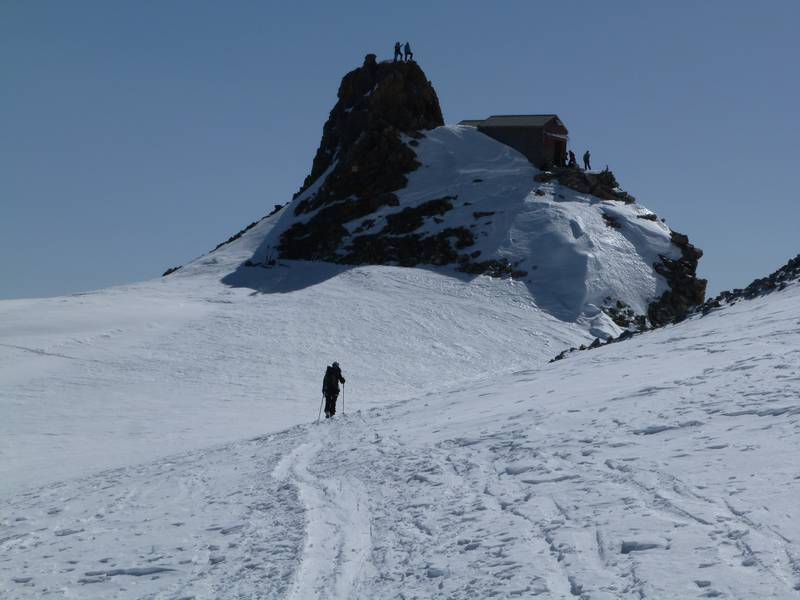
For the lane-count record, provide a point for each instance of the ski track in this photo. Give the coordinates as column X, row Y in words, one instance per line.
column 337, row 523
column 659, row 468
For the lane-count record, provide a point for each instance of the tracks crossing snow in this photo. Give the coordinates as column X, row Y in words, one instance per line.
column 544, row 484
column 337, row 526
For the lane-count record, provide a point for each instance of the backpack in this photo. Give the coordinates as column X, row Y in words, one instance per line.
column 329, row 383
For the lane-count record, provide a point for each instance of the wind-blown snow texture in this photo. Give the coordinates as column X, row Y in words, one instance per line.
column 157, row 440
column 664, row 467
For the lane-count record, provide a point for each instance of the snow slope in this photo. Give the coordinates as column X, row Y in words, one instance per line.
column 662, row 467
column 217, row 351
column 574, row 259
column 122, row 375
column 156, row 438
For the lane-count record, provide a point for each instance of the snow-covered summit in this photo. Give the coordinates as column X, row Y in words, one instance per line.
column 391, row 185
column 474, row 206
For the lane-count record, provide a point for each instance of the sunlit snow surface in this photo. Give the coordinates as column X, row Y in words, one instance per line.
column 158, row 440
column 661, row 467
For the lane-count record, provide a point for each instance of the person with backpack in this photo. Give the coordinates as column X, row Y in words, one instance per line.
column 330, row 388
column 573, row 162
column 586, row 158
column 397, row 52
column 407, row 53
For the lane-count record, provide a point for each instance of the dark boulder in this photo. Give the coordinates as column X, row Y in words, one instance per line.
column 687, row 291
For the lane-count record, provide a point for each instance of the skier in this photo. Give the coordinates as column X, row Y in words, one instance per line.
column 397, row 52
column 586, row 158
column 407, row 53
column 330, row 388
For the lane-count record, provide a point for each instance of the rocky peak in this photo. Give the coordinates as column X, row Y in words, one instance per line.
column 371, row 99
column 363, row 151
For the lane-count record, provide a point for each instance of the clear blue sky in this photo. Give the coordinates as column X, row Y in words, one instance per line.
column 137, row 135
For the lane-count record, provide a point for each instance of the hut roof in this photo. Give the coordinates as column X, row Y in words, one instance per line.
column 513, row 121
column 519, row 120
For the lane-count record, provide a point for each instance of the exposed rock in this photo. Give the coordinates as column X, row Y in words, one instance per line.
column 366, row 160
column 171, row 270
column 611, row 221
column 410, row 250
column 320, row 237
column 685, row 296
column 362, row 146
column 624, row 316
column 603, row 185
column 493, row 268
column 686, row 292
column 413, row 217
column 372, row 98
column 774, row 282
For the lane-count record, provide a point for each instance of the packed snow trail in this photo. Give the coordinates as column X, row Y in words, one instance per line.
column 659, row 468
column 337, row 521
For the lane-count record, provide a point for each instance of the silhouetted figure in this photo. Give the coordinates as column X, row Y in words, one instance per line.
column 397, row 53
column 407, row 53
column 330, row 388
column 586, row 158
column 573, row 162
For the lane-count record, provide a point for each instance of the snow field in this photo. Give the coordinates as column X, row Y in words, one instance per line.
column 185, row 363
column 662, row 467
column 156, row 440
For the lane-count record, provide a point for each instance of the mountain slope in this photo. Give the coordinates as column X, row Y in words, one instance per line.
column 577, row 254
column 663, row 467
column 441, row 270
column 131, row 373
column 391, row 185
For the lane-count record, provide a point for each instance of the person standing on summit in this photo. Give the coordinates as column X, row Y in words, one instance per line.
column 397, row 53
column 586, row 158
column 330, row 388
column 573, row 162
column 407, row 53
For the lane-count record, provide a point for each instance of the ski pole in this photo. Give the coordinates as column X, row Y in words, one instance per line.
column 319, row 416
column 342, row 398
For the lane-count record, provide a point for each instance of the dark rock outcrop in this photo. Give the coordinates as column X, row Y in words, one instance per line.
column 687, row 291
column 602, row 185
column 367, row 150
column 363, row 149
column 624, row 316
column 611, row 221
column 372, row 99
column 685, row 295
column 774, row 282
column 171, row 270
